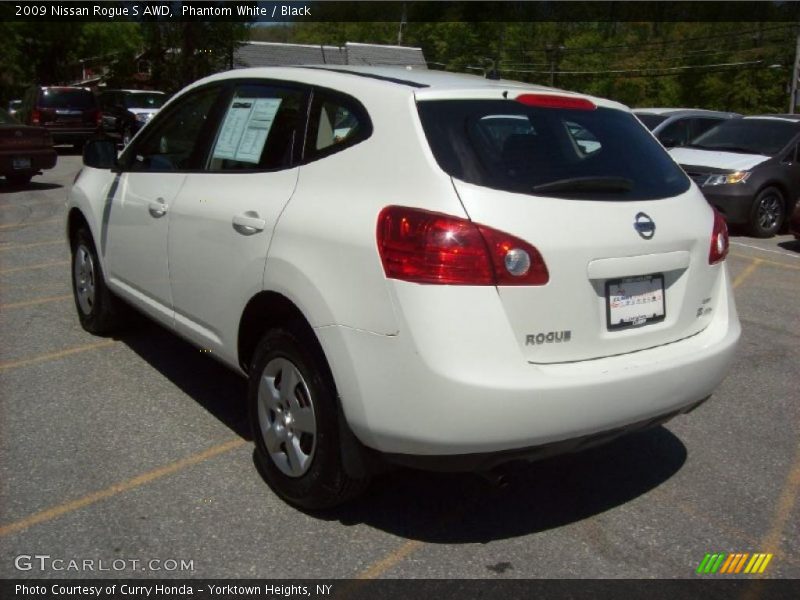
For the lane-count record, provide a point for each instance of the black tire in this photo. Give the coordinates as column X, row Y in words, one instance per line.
column 768, row 213
column 322, row 482
column 19, row 179
column 105, row 312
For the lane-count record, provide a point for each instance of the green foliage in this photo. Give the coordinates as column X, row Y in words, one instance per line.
column 745, row 67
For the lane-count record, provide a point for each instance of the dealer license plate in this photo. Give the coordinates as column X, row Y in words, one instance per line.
column 635, row 301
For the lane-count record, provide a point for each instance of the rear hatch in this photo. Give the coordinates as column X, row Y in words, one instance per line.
column 14, row 137
column 67, row 108
column 624, row 235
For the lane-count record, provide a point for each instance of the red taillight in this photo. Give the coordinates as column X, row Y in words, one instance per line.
column 553, row 101
column 426, row 247
column 36, row 117
column 719, row 240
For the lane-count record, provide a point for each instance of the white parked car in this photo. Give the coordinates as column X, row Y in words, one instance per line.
column 411, row 267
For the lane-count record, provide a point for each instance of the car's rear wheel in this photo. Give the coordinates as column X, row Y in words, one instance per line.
column 768, row 213
column 295, row 420
column 99, row 311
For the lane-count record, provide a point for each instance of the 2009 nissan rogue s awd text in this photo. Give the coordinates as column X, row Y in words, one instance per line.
column 412, row 267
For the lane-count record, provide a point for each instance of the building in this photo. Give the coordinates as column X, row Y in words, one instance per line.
column 272, row 54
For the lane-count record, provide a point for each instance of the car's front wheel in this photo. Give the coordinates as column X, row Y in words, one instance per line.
column 768, row 213
column 99, row 311
column 295, row 420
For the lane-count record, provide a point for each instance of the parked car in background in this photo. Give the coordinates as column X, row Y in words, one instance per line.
column 679, row 126
column 749, row 169
column 71, row 114
column 24, row 151
column 126, row 111
column 529, row 274
column 13, row 107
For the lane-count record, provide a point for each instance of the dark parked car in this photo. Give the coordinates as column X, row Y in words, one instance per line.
column 71, row 114
column 127, row 111
column 24, row 151
column 749, row 169
column 679, row 126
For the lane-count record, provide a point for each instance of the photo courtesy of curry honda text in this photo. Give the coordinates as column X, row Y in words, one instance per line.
column 411, row 267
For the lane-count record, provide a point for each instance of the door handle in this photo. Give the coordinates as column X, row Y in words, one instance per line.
column 249, row 223
column 158, row 208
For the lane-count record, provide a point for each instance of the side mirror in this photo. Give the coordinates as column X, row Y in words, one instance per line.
column 100, row 154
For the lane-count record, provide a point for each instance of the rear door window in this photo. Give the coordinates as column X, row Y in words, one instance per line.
column 602, row 154
column 262, row 128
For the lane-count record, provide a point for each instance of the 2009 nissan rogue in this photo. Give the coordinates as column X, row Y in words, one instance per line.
column 411, row 267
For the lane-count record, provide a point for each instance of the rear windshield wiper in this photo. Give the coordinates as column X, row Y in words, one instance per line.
column 587, row 184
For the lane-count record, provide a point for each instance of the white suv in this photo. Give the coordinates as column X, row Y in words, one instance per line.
column 411, row 267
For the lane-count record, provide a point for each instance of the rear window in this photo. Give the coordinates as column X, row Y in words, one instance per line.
column 585, row 154
column 752, row 136
column 64, row 98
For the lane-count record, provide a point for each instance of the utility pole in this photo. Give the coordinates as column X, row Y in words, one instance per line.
column 552, row 52
column 403, row 22
column 795, row 75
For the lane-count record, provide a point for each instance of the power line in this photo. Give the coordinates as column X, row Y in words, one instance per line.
column 642, row 70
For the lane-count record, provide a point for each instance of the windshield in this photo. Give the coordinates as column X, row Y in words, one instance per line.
column 602, row 154
column 753, row 136
column 650, row 120
column 67, row 98
column 144, row 100
column 7, row 119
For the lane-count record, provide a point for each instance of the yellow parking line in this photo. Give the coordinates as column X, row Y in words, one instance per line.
column 783, row 510
column 28, row 223
column 769, row 262
column 747, row 272
column 13, row 364
column 34, row 302
column 33, row 245
column 54, row 263
column 378, row 568
column 118, row 488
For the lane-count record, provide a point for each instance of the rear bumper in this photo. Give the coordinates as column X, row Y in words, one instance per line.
column 422, row 408
column 490, row 460
column 40, row 159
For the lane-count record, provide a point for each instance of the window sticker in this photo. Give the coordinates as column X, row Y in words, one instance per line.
column 245, row 129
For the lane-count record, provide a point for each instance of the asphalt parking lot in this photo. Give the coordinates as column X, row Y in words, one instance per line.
column 137, row 448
